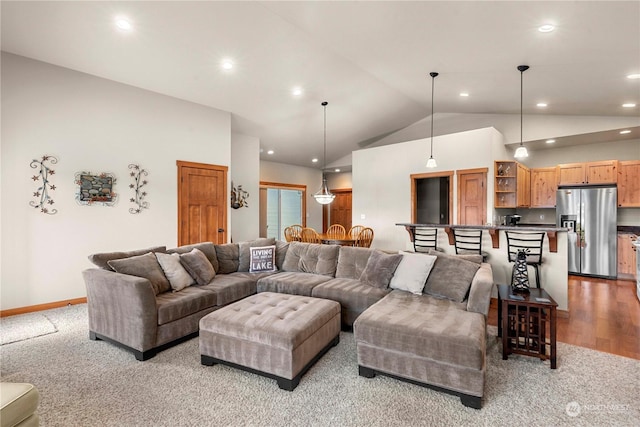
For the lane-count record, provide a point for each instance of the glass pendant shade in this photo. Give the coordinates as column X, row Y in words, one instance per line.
column 431, row 163
column 323, row 196
column 521, row 152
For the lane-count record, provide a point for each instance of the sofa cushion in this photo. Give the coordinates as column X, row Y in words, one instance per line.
column 228, row 258
column 352, row 261
column 102, row 259
column 244, row 254
column 231, row 287
column 177, row 305
column 412, row 272
column 353, row 296
column 198, row 266
column 18, row 404
column 291, row 282
column 477, row 258
column 178, row 277
column 379, row 269
column 281, row 252
column 207, row 248
column 450, row 278
column 143, row 266
column 424, row 326
column 311, row 258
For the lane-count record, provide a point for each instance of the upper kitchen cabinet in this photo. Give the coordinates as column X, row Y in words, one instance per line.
column 543, row 187
column 512, row 185
column 629, row 184
column 603, row 172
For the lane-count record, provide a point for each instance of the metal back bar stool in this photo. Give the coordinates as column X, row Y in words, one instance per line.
column 531, row 242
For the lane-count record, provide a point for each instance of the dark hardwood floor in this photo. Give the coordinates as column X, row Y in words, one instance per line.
column 603, row 315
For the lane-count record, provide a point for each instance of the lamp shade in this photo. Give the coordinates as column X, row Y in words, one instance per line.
column 323, row 196
column 431, row 163
column 521, row 152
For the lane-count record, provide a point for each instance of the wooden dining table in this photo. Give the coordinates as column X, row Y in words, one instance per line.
column 342, row 240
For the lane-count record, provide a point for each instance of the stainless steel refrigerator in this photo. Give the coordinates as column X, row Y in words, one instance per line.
column 590, row 214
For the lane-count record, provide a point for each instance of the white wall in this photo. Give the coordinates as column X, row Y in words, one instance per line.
column 245, row 171
column 97, row 125
column 288, row 174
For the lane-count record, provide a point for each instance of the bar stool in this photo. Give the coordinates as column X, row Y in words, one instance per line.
column 469, row 241
column 531, row 242
column 425, row 239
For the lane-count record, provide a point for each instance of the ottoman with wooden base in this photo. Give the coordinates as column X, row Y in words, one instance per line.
column 276, row 335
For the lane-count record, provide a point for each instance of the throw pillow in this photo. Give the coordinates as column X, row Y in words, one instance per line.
column 451, row 278
column 143, row 266
column 207, row 248
column 244, row 255
column 412, row 272
column 263, row 258
column 227, row 255
column 102, row 259
column 379, row 269
column 198, row 266
column 178, row 277
column 477, row 258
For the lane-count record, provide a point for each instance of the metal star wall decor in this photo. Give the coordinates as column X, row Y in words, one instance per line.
column 138, row 175
column 43, row 200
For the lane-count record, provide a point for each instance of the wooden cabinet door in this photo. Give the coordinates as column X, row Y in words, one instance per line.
column 605, row 172
column 570, row 173
column 472, row 196
column 629, row 184
column 543, row 187
column 202, row 203
column 523, row 190
column 626, row 256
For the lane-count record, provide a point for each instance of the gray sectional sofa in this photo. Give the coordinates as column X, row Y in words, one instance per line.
column 424, row 337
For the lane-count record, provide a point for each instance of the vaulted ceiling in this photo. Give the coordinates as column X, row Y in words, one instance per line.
column 369, row 60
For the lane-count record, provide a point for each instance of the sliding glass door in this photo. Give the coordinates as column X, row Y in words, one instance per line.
column 281, row 205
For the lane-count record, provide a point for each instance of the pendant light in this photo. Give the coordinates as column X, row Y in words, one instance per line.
column 521, row 152
column 431, row 163
column 323, row 196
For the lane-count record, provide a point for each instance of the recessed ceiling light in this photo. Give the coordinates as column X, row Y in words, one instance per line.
column 633, row 76
column 541, row 104
column 337, row 170
column 314, row 160
column 270, row 152
column 622, row 132
column 546, row 28
column 464, row 94
column 550, row 141
column 297, row 91
column 629, row 105
column 123, row 24
column 227, row 64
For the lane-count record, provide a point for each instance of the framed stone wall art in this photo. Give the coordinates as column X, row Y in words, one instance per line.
column 43, row 199
column 96, row 189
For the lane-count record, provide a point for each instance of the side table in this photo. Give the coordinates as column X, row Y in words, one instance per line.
column 522, row 323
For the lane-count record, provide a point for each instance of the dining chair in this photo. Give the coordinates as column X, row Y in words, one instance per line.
column 309, row 235
column 365, row 237
column 355, row 230
column 531, row 243
column 292, row 233
column 468, row 241
column 425, row 239
column 336, row 230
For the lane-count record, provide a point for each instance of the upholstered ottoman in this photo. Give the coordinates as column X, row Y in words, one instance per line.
column 19, row 402
column 276, row 335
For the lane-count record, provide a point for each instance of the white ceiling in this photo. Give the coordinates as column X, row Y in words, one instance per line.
column 369, row 60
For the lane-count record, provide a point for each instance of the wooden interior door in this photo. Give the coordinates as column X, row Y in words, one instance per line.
column 472, row 196
column 340, row 209
column 202, row 203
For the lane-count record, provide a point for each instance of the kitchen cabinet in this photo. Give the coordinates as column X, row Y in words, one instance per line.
column 512, row 184
column 629, row 184
column 602, row 172
column 626, row 256
column 543, row 187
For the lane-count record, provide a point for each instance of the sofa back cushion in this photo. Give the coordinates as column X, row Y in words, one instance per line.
column 380, row 268
column 207, row 248
column 244, row 255
column 281, row 252
column 102, row 259
column 352, row 261
column 311, row 258
column 228, row 255
column 450, row 277
column 143, row 266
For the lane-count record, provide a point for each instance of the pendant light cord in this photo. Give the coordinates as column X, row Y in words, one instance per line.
column 522, row 69
column 324, row 158
column 433, row 79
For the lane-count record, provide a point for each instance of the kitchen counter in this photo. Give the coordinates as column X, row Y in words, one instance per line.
column 634, row 229
column 551, row 231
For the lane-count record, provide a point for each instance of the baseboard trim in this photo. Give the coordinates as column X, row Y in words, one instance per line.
column 41, row 307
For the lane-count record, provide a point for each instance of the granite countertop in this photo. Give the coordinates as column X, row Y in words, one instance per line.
column 522, row 227
column 635, row 229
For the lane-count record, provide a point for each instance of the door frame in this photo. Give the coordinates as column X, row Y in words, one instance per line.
column 414, row 185
column 460, row 172
column 185, row 164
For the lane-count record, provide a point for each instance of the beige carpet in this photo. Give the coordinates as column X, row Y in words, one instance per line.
column 88, row 383
column 25, row 327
